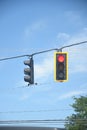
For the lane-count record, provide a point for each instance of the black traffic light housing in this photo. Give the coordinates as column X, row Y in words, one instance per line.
column 29, row 72
column 60, row 66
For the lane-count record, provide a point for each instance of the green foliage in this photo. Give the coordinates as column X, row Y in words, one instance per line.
column 78, row 121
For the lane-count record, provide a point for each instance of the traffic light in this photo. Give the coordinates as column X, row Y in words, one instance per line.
column 60, row 66
column 29, row 72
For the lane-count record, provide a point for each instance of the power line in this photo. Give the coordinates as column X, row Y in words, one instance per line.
column 44, row 122
column 26, row 86
column 52, row 121
column 36, row 53
column 32, row 111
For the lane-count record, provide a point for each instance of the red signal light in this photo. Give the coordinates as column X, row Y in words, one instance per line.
column 61, row 58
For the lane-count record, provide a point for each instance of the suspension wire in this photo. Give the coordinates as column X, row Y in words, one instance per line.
column 60, row 49
column 14, row 57
column 74, row 44
column 36, row 53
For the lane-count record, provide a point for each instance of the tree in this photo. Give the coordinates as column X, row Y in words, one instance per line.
column 78, row 121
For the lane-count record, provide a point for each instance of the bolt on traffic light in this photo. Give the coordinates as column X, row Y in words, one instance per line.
column 29, row 72
column 60, row 66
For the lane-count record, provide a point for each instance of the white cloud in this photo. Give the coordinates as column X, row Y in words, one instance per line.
column 82, row 90
column 72, row 93
column 63, row 36
column 24, row 97
column 44, row 69
column 34, row 27
column 73, row 17
column 21, row 84
column 83, row 86
column 77, row 54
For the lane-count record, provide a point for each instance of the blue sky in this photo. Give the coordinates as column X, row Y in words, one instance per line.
column 31, row 26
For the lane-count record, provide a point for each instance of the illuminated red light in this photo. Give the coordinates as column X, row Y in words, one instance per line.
column 60, row 58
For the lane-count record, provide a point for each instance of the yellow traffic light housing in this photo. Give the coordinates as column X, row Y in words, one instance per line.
column 60, row 66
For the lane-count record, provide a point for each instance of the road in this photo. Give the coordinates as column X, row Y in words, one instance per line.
column 27, row 128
